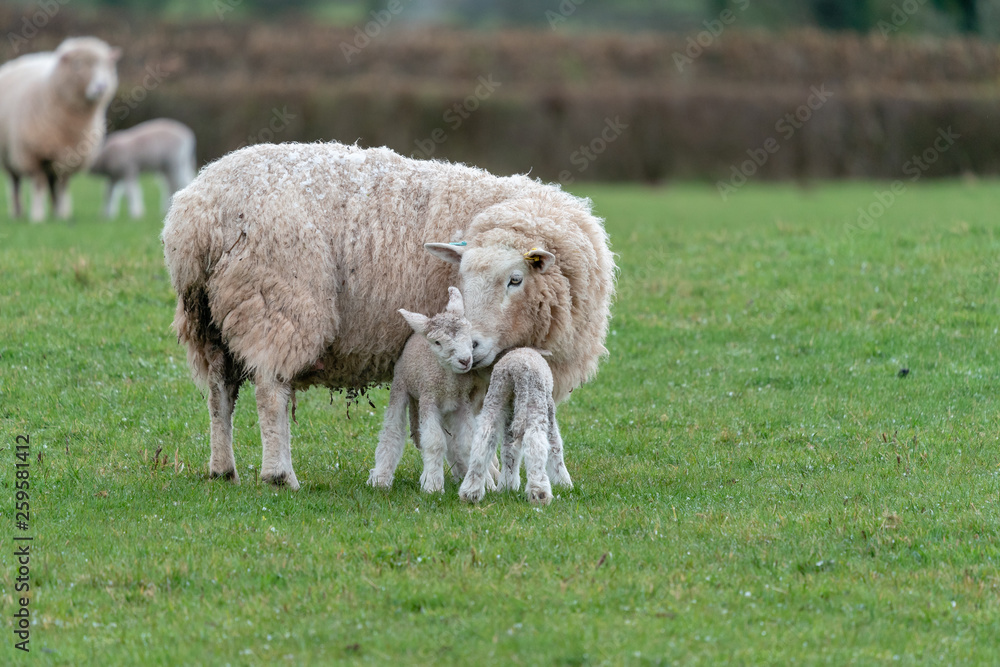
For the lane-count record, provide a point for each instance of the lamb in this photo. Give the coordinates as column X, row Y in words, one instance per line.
column 290, row 260
column 518, row 406
column 432, row 377
column 162, row 146
column 52, row 118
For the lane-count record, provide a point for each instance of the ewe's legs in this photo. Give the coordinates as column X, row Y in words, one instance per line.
column 392, row 439
column 15, row 196
column 39, row 193
column 133, row 191
column 62, row 202
column 275, row 433
column 433, row 443
column 223, row 389
column 536, row 453
column 556, row 467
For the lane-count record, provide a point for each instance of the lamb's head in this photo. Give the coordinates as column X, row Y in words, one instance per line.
column 511, row 292
column 85, row 75
column 448, row 332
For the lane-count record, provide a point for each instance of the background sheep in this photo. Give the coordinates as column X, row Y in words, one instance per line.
column 432, row 377
column 290, row 260
column 518, row 407
column 162, row 146
column 52, row 118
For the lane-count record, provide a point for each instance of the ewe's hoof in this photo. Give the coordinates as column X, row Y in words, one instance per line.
column 509, row 482
column 561, row 478
column 491, row 484
column 432, row 484
column 230, row 475
column 281, row 479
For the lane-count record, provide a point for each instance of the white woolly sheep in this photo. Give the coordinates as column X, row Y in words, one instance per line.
column 289, row 262
column 432, row 376
column 518, row 407
column 52, row 118
column 161, row 146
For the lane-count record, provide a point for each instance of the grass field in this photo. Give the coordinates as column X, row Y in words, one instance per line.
column 755, row 481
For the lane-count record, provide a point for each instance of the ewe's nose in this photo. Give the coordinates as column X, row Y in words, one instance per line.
column 465, row 363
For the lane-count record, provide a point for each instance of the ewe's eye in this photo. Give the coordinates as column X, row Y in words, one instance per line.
column 515, row 279
column 438, row 343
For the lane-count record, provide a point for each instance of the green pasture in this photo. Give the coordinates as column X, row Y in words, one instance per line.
column 791, row 456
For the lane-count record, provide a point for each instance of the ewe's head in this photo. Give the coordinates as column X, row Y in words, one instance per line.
column 509, row 299
column 85, row 74
column 448, row 332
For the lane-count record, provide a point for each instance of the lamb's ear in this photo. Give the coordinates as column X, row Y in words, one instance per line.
column 539, row 259
column 449, row 252
column 416, row 321
column 455, row 303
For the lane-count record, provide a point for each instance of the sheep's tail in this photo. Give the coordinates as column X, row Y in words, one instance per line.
column 186, row 248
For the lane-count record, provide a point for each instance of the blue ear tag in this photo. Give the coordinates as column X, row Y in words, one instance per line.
column 458, row 243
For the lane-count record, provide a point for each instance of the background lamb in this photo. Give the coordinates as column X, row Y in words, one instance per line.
column 162, row 146
column 52, row 118
column 432, row 377
column 289, row 262
column 520, row 409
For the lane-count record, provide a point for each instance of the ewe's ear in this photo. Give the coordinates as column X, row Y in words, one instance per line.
column 416, row 321
column 539, row 259
column 449, row 252
column 455, row 303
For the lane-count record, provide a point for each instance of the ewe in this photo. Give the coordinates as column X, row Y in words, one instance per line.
column 432, row 376
column 52, row 118
column 289, row 262
column 161, row 146
column 518, row 407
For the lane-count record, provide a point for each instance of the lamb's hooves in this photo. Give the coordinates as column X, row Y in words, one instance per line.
column 491, row 484
column 539, row 496
column 471, row 491
column 230, row 475
column 561, row 478
column 432, row 485
column 286, row 479
column 379, row 481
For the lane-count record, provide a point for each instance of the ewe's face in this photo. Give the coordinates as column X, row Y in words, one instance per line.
column 89, row 73
column 501, row 289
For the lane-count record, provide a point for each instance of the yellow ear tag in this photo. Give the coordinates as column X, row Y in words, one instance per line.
column 534, row 259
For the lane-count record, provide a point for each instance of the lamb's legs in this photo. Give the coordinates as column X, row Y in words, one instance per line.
column 556, row 467
column 536, row 453
column 222, row 392
column 112, row 201
column 392, row 439
column 510, row 468
column 484, row 444
column 133, row 192
column 39, row 193
column 464, row 426
column 273, row 397
column 432, row 446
